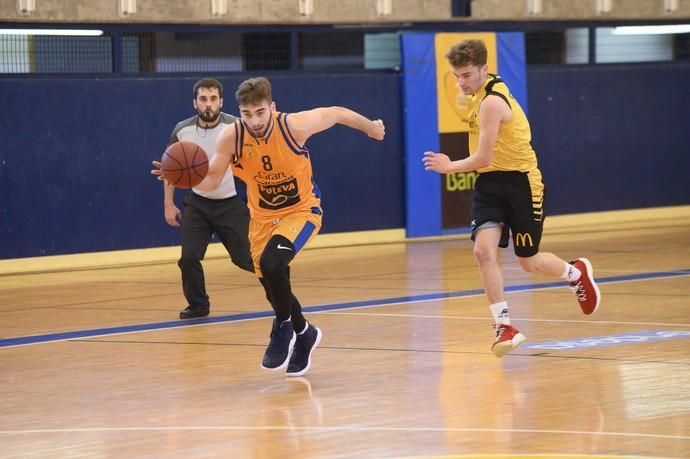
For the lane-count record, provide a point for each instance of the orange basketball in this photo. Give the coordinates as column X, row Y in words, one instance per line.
column 184, row 164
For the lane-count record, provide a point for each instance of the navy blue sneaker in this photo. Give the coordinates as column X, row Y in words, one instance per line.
column 300, row 362
column 278, row 351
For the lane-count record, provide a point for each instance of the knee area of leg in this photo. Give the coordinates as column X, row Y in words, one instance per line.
column 528, row 264
column 187, row 259
column 482, row 254
column 244, row 265
column 277, row 255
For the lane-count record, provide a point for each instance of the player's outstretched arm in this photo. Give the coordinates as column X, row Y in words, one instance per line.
column 491, row 113
column 225, row 148
column 218, row 165
column 307, row 123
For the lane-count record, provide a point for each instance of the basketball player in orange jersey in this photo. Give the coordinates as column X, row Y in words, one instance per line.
column 509, row 193
column 267, row 151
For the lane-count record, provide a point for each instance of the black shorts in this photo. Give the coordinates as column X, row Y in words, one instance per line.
column 514, row 199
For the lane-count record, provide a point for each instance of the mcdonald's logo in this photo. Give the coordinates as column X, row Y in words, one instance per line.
column 521, row 240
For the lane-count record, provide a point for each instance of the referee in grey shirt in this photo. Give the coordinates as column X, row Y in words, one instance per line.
column 220, row 211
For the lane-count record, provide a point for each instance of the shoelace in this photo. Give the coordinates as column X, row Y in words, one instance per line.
column 499, row 332
column 580, row 292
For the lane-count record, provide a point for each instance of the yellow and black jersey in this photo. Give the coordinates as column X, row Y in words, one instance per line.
column 277, row 171
column 513, row 150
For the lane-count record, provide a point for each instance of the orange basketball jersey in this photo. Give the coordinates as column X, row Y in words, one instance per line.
column 277, row 171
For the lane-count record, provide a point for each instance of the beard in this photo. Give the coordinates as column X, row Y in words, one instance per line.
column 208, row 116
column 261, row 131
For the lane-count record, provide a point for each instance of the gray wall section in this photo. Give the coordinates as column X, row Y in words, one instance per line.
column 327, row 11
column 239, row 11
column 577, row 9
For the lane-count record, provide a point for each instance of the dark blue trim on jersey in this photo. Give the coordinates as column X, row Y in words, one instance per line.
column 316, row 210
column 317, row 192
column 80, row 334
column 287, row 139
column 242, row 129
column 238, row 143
column 304, row 235
column 287, row 128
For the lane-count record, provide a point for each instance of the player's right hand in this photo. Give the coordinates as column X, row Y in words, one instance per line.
column 173, row 216
column 157, row 172
column 437, row 162
column 378, row 130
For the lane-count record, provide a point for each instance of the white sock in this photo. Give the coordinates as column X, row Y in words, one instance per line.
column 571, row 273
column 500, row 313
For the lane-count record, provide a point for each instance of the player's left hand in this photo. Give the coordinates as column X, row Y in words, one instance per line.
column 157, row 172
column 437, row 162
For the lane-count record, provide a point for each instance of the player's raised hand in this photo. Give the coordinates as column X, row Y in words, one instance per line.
column 378, row 130
column 437, row 162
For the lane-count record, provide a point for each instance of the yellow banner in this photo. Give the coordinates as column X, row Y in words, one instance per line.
column 453, row 106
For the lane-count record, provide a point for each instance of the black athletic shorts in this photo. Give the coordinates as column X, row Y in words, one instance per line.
column 516, row 201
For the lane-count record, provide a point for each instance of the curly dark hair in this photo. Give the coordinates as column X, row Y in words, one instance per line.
column 467, row 52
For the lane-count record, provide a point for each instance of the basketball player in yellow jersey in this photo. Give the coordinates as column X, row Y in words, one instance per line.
column 509, row 193
column 267, row 151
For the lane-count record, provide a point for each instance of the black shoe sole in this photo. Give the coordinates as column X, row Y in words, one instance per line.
column 192, row 315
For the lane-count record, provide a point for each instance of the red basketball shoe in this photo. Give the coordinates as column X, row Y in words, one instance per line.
column 507, row 339
column 585, row 288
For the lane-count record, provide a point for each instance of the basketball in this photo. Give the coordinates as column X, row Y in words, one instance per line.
column 184, row 164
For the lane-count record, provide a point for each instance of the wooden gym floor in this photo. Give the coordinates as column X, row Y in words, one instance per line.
column 94, row 363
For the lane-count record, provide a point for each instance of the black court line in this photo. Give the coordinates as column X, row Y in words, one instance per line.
column 377, row 349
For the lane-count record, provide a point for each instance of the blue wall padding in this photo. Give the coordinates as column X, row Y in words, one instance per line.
column 75, row 158
column 75, row 152
column 423, row 199
column 611, row 137
column 511, row 64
